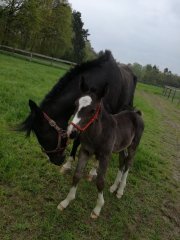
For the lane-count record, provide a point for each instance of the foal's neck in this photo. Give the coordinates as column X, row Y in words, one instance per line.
column 97, row 124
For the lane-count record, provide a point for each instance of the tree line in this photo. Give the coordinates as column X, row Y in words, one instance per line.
column 152, row 75
column 51, row 27
column 48, row 27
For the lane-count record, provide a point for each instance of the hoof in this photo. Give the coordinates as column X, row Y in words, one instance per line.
column 94, row 215
column 112, row 189
column 64, row 170
column 90, row 178
column 119, row 195
column 60, row 207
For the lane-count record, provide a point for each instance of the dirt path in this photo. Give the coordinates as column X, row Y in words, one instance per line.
column 171, row 141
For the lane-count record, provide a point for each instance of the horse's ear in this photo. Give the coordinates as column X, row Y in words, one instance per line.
column 83, row 85
column 103, row 92
column 34, row 107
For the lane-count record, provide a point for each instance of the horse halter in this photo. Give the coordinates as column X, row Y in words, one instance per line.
column 82, row 129
column 61, row 134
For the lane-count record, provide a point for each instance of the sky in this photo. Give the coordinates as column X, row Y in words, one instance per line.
column 143, row 31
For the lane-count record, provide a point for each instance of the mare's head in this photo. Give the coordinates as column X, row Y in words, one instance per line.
column 87, row 108
column 51, row 138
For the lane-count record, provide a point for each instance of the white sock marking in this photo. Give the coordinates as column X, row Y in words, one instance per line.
column 122, row 185
column 93, row 171
column 71, row 196
column 67, row 165
column 99, row 204
column 116, row 182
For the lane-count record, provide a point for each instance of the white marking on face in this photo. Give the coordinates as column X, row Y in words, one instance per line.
column 83, row 102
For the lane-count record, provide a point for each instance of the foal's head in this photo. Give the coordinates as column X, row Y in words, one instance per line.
column 87, row 109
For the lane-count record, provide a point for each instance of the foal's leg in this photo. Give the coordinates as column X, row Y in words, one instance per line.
column 93, row 172
column 103, row 163
column 128, row 162
column 68, row 165
column 83, row 158
column 122, row 157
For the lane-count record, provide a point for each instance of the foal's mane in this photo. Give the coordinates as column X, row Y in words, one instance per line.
column 74, row 72
column 27, row 125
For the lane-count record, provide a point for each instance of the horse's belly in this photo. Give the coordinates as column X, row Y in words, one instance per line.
column 122, row 144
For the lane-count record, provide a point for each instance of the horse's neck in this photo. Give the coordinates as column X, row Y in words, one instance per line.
column 103, row 117
column 59, row 110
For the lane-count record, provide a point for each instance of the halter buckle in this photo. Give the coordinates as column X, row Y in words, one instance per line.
column 52, row 123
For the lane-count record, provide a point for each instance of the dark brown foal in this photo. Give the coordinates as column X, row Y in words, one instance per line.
column 101, row 134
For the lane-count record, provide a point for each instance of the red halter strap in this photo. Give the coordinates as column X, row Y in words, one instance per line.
column 82, row 129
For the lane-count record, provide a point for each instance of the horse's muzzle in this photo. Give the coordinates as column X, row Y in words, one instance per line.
column 57, row 160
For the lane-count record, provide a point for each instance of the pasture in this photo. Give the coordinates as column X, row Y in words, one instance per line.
column 31, row 187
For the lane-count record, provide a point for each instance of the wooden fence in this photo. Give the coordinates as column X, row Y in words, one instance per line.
column 171, row 92
column 31, row 56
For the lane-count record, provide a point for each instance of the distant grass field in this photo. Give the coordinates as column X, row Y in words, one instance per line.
column 31, row 187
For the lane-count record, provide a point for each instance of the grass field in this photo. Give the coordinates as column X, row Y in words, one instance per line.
column 31, row 187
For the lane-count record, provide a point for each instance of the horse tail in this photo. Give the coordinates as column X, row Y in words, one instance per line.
column 134, row 88
column 139, row 127
column 139, row 112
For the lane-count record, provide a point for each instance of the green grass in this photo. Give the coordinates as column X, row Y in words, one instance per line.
column 31, row 187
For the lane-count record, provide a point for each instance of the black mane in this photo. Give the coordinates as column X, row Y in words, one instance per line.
column 72, row 73
column 27, row 125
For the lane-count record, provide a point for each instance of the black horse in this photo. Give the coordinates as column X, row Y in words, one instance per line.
column 49, row 121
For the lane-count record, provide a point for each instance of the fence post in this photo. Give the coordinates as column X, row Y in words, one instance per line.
column 174, row 95
column 52, row 61
column 13, row 51
column 30, row 59
column 169, row 92
column 165, row 91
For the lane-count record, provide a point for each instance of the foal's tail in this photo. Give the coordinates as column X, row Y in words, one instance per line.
column 139, row 127
column 138, row 112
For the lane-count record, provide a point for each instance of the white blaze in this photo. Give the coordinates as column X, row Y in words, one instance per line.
column 83, row 102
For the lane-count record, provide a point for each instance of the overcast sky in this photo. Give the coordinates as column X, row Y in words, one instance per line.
column 143, row 31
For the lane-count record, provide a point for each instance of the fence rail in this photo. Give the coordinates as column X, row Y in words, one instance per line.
column 31, row 56
column 171, row 92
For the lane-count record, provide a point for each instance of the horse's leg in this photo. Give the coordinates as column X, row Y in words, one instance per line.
column 122, row 157
column 93, row 172
column 103, row 163
column 128, row 162
column 83, row 158
column 68, row 165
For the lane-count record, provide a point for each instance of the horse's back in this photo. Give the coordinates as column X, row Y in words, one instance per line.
column 129, row 120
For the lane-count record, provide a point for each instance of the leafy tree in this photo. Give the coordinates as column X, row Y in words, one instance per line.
column 45, row 26
column 166, row 70
column 79, row 38
column 9, row 9
column 29, row 21
column 152, row 75
column 138, row 70
column 90, row 54
column 56, row 34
